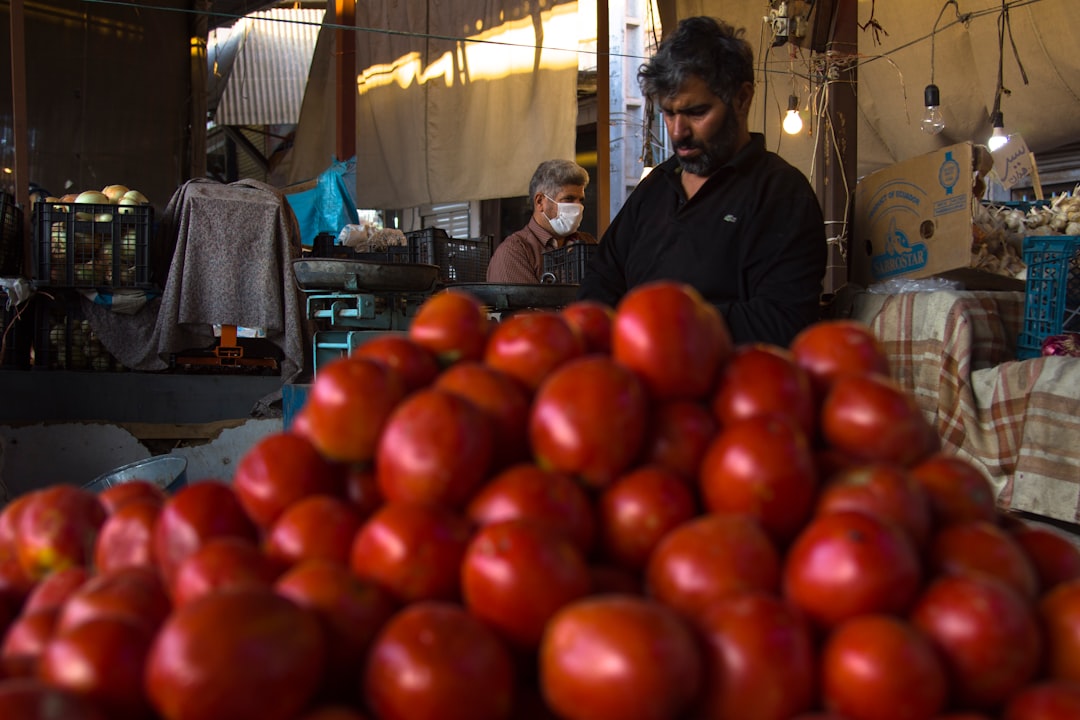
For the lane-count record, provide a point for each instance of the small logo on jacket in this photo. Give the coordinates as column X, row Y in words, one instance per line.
column 730, row 218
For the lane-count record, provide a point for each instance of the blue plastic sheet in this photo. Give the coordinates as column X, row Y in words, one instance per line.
column 328, row 206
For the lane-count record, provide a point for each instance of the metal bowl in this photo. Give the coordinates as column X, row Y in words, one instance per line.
column 167, row 471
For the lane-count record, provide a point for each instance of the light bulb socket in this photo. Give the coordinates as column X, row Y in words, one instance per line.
column 793, row 103
column 997, row 119
column 932, row 96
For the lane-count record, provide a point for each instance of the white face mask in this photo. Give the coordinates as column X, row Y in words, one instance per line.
column 568, row 219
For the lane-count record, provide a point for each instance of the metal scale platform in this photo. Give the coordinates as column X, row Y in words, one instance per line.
column 352, row 301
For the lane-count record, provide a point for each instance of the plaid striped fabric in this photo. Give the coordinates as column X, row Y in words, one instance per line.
column 1016, row 420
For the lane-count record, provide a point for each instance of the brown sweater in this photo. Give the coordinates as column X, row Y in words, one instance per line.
column 519, row 259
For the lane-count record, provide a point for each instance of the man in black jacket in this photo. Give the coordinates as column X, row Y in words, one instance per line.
column 724, row 215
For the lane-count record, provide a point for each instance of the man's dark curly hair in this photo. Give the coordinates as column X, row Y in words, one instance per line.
column 702, row 46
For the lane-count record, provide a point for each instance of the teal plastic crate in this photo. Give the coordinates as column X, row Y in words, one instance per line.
column 1052, row 303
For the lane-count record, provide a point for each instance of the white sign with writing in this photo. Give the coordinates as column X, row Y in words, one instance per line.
column 1013, row 161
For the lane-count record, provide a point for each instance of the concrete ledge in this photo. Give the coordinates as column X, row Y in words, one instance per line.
column 129, row 397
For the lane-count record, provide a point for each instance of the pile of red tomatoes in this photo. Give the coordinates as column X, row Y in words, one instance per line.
column 590, row 513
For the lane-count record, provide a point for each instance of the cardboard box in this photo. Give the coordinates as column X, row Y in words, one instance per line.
column 914, row 220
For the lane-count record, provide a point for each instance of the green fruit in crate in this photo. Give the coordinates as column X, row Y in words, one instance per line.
column 85, row 247
column 102, row 271
column 84, row 273
column 58, row 238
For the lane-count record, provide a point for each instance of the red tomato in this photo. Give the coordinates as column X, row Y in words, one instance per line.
column 195, row 514
column 709, row 558
column 958, row 491
column 639, row 509
column 57, row 528
column 135, row 593
column 607, row 579
column 528, row 346
column 760, row 379
column 347, row 406
column 279, row 470
column 679, row 434
column 981, row 547
column 619, row 656
column 33, row 699
column 453, row 325
column 499, row 396
column 350, row 610
column 1056, row 559
column 415, row 364
column 103, row 660
column 15, row 584
column 588, row 419
column 761, row 466
column 543, row 496
column 436, row 448
column 126, row 538
column 871, row 418
column 223, row 563
column 435, row 660
column 1059, row 612
column 362, row 491
column 115, row 497
column 593, row 321
column 25, row 640
column 333, row 712
column 516, row 574
column 835, row 347
column 848, row 563
column 665, row 325
column 986, row 634
column 55, row 589
column 240, row 655
column 759, row 659
column 879, row 667
column 319, row 526
column 1046, row 700
column 414, row 551
column 883, row 490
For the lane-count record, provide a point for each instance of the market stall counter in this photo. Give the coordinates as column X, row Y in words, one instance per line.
column 955, row 350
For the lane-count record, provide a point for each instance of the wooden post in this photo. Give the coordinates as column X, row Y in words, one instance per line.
column 344, row 13
column 199, row 100
column 603, row 118
column 18, row 107
column 837, row 138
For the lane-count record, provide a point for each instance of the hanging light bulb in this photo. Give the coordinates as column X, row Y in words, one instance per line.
column 793, row 121
column 933, row 121
column 998, row 138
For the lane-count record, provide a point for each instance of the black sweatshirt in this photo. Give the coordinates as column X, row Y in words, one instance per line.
column 751, row 241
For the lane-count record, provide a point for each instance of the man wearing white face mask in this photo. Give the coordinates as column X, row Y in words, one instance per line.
column 557, row 193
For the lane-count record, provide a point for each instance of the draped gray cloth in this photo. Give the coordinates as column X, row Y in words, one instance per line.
column 231, row 265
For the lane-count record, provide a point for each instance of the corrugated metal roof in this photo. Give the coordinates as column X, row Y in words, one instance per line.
column 266, row 85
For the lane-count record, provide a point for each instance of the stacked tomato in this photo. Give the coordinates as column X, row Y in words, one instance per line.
column 585, row 514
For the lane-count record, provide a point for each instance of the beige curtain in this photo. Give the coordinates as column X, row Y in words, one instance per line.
column 441, row 118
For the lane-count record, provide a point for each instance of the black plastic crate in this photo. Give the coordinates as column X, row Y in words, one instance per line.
column 64, row 340
column 11, row 237
column 1052, row 302
column 459, row 259
column 17, row 336
column 567, row 265
column 393, row 255
column 78, row 245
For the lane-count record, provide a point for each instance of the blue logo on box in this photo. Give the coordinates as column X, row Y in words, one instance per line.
column 949, row 173
column 899, row 256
